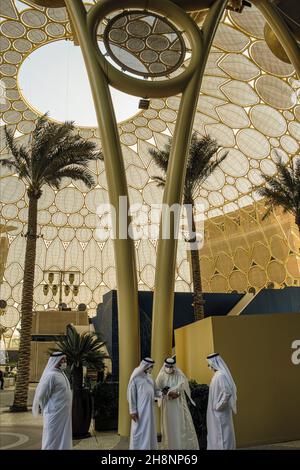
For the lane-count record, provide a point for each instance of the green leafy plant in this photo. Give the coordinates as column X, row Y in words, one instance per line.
column 199, row 393
column 106, row 398
column 81, row 350
column 283, row 189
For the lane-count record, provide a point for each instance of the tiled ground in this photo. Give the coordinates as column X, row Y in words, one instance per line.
column 21, row 431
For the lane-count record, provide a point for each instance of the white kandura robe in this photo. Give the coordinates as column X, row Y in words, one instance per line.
column 178, row 431
column 220, row 429
column 55, row 400
column 141, row 398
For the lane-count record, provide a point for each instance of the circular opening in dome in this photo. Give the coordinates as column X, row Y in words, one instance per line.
column 53, row 78
column 144, row 44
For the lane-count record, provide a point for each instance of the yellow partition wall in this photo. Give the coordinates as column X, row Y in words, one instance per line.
column 257, row 349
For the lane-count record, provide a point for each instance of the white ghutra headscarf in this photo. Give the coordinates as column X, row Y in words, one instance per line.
column 215, row 361
column 140, row 370
column 53, row 360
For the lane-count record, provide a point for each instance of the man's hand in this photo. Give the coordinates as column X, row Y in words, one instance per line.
column 134, row 416
column 173, row 395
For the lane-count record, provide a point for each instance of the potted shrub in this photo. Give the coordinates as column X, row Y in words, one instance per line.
column 106, row 399
column 81, row 350
column 199, row 393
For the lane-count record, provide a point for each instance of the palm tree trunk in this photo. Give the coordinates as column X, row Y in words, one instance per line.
column 21, row 392
column 196, row 273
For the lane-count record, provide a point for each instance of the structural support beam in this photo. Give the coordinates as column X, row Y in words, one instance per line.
column 242, row 304
column 128, row 311
column 163, row 302
column 282, row 31
column 101, row 75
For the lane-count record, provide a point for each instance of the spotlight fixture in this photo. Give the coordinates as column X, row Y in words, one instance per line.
column 144, row 103
column 75, row 290
column 45, row 289
column 62, row 306
column 238, row 5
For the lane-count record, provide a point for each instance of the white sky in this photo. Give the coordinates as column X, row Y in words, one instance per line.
column 53, row 78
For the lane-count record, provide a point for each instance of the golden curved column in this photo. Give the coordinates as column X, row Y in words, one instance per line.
column 101, row 74
column 163, row 302
column 282, row 31
column 128, row 310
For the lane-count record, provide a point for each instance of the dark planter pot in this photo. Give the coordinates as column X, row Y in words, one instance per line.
column 106, row 424
column 106, row 406
column 199, row 393
column 81, row 413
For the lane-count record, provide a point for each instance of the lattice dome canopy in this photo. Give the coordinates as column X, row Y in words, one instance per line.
column 248, row 102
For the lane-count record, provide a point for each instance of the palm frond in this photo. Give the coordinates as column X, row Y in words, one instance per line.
column 76, row 173
column 39, row 126
column 49, row 136
column 201, row 162
column 277, row 198
column 161, row 182
column 84, row 349
column 10, row 163
column 161, row 157
column 282, row 189
column 71, row 153
column 9, row 135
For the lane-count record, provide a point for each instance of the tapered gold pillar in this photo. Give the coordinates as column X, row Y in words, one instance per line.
column 128, row 320
column 282, row 31
column 163, row 303
column 101, row 73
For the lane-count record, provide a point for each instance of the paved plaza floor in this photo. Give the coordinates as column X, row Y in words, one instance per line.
column 21, row 431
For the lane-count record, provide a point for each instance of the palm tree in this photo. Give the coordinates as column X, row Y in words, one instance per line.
column 54, row 152
column 283, row 189
column 201, row 162
column 81, row 350
column 84, row 349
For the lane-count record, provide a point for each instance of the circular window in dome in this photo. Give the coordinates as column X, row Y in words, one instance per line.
column 144, row 43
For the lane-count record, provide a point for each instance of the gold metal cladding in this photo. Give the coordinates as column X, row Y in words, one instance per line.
column 134, row 86
column 282, row 31
column 49, row 3
column 163, row 301
column 274, row 44
column 128, row 310
column 194, row 5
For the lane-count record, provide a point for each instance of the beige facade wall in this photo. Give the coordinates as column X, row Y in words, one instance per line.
column 51, row 322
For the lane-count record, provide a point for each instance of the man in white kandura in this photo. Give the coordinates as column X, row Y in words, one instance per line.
column 53, row 397
column 221, row 403
column 178, row 431
column 141, row 394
